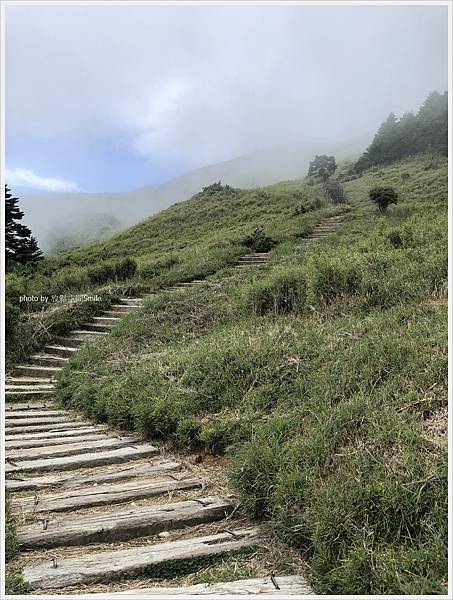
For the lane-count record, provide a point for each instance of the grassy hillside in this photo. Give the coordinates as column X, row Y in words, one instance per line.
column 324, row 382
column 189, row 240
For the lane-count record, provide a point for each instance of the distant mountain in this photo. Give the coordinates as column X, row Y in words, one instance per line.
column 90, row 229
column 52, row 216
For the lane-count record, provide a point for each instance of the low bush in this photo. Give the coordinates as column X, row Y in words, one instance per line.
column 284, row 291
column 125, row 269
column 331, row 277
column 259, row 241
column 102, row 273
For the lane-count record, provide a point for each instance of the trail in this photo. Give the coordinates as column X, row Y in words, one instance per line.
column 95, row 505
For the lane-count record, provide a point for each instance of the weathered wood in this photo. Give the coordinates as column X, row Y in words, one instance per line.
column 37, row 370
column 50, row 360
column 10, row 414
column 67, row 449
column 25, row 420
column 25, row 406
column 114, row 473
column 55, row 441
column 60, row 350
column 28, row 387
column 292, row 585
column 49, row 427
column 26, row 395
column 27, row 380
column 102, row 327
column 91, row 459
column 38, row 435
column 108, row 566
column 118, row 526
column 101, row 495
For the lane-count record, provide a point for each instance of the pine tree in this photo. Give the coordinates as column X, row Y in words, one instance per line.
column 20, row 246
column 427, row 131
column 322, row 167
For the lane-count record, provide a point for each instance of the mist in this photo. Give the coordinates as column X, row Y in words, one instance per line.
column 132, row 108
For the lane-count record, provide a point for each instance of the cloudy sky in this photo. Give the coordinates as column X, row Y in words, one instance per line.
column 110, row 98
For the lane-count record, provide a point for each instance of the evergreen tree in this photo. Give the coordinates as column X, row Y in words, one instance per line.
column 427, row 131
column 20, row 246
column 322, row 167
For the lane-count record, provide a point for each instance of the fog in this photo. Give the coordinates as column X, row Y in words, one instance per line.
column 115, row 98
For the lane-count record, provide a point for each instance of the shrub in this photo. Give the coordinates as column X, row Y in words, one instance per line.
column 12, row 315
column 279, row 293
column 401, row 237
column 125, row 269
column 157, row 267
column 258, row 241
column 383, row 197
column 102, row 273
column 333, row 277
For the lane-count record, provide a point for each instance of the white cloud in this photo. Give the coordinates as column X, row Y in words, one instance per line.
column 26, row 178
column 205, row 83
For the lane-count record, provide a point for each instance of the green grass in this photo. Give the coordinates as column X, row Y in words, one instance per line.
column 14, row 582
column 319, row 380
column 193, row 239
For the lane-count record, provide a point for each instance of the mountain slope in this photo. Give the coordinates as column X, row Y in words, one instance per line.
column 51, row 215
column 324, row 382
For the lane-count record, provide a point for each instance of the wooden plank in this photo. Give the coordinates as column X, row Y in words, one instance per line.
column 37, row 435
column 292, row 585
column 22, row 406
column 112, row 474
column 11, row 414
column 70, row 449
column 29, row 387
column 24, row 421
column 101, row 495
column 119, row 526
column 55, row 441
column 109, row 566
column 23, row 395
column 91, row 459
column 49, row 427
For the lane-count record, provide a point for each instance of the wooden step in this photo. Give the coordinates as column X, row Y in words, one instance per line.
column 114, row 313
column 72, row 432
column 132, row 301
column 25, row 406
column 31, row 387
column 262, row 587
column 37, row 370
column 28, row 380
column 26, row 395
column 115, row 473
column 101, row 327
column 49, row 360
column 67, row 351
column 72, row 342
column 108, row 527
column 105, row 494
column 68, row 449
column 110, row 566
column 123, row 308
column 55, row 441
column 86, row 333
column 79, row 461
column 24, row 421
column 106, row 320
column 21, row 414
column 59, row 427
